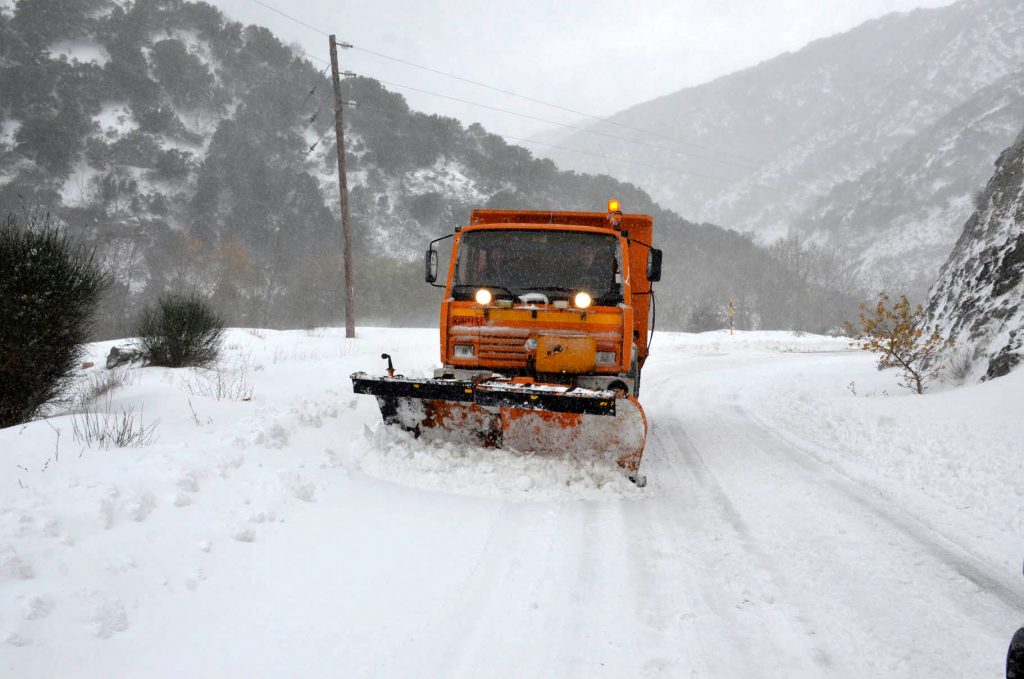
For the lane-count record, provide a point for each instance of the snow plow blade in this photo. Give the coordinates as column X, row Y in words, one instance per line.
column 526, row 417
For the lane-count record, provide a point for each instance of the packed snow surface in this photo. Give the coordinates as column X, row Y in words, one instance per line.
column 804, row 517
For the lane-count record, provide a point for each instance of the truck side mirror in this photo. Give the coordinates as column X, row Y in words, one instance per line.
column 430, row 266
column 654, row 265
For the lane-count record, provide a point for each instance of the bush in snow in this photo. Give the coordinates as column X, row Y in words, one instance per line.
column 49, row 290
column 897, row 334
column 181, row 330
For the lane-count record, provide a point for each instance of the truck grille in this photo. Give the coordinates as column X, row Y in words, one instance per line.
column 507, row 350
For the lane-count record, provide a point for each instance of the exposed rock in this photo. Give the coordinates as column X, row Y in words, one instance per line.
column 979, row 298
column 122, row 356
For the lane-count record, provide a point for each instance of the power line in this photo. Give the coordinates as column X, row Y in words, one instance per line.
column 522, row 140
column 631, row 162
column 595, row 155
column 548, row 121
column 566, row 125
column 573, row 111
column 289, row 16
column 530, row 141
column 511, row 93
column 316, row 83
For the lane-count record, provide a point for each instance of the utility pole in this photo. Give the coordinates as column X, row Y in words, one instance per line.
column 339, row 132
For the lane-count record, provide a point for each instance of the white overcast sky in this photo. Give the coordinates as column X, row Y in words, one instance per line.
column 598, row 57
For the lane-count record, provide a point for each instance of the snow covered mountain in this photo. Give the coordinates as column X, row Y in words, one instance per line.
column 781, row 135
column 979, row 298
column 901, row 217
column 195, row 151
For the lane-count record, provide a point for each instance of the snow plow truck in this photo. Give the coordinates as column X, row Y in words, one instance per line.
column 545, row 328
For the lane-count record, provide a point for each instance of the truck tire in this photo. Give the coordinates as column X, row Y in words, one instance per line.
column 1015, row 656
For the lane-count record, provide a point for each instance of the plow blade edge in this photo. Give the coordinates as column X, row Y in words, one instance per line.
column 529, row 418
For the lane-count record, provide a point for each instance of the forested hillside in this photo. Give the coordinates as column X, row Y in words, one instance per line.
column 196, row 152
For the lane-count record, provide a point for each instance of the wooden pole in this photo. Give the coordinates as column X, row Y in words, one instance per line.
column 339, row 133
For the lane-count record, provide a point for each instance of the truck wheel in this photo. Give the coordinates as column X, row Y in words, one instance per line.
column 1015, row 656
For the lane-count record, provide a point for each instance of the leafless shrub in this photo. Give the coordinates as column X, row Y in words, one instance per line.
column 959, row 365
column 108, row 428
column 979, row 198
column 258, row 333
column 99, row 384
column 195, row 416
column 223, row 382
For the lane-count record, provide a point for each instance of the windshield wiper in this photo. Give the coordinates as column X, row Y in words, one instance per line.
column 552, row 288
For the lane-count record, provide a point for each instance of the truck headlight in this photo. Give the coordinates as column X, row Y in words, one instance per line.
column 483, row 296
column 606, row 357
column 463, row 351
column 582, row 300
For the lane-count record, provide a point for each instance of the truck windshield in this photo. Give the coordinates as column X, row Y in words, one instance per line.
column 558, row 264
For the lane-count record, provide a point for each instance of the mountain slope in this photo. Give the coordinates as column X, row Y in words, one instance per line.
column 811, row 119
column 901, row 217
column 979, row 298
column 196, row 152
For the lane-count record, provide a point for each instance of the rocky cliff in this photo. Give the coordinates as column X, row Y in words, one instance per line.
column 979, row 298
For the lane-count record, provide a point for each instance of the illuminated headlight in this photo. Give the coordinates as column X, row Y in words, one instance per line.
column 463, row 351
column 483, row 296
column 582, row 300
column 606, row 357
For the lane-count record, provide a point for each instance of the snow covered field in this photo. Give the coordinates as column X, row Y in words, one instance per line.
column 804, row 517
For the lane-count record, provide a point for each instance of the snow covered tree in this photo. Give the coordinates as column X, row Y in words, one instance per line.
column 897, row 334
column 49, row 290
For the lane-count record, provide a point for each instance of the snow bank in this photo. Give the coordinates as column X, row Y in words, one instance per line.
column 952, row 457
column 777, row 341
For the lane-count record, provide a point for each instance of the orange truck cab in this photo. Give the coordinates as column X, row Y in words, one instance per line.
column 559, row 297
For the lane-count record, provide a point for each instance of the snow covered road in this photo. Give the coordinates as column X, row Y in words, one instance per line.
column 798, row 522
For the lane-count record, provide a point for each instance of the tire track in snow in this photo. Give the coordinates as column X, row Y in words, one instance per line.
column 751, row 589
column 512, row 605
column 866, row 576
column 941, row 547
column 462, row 627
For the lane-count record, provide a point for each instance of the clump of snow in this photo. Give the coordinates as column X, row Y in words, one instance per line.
column 8, row 128
column 115, row 119
column 487, row 472
column 81, row 51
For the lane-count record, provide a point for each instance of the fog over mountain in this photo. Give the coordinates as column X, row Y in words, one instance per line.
column 902, row 216
column 196, row 152
column 783, row 135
